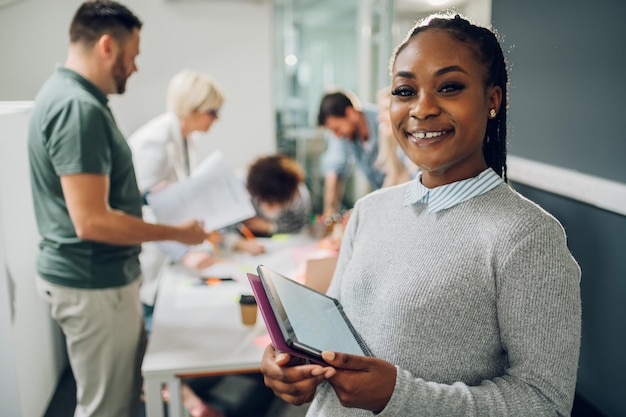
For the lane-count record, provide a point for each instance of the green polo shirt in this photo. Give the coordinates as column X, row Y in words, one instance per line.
column 72, row 131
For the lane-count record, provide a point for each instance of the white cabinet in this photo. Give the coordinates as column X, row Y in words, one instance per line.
column 32, row 350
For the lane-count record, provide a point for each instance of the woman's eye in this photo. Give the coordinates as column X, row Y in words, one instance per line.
column 451, row 87
column 403, row 92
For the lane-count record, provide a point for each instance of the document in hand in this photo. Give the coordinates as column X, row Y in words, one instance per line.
column 302, row 321
column 212, row 194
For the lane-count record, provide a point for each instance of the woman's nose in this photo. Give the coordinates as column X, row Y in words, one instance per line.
column 424, row 106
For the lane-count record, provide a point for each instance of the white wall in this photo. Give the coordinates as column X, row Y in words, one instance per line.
column 232, row 40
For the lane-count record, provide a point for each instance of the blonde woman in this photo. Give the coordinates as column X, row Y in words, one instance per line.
column 163, row 152
column 163, row 149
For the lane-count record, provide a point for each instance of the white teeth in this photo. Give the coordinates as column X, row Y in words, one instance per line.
column 427, row 135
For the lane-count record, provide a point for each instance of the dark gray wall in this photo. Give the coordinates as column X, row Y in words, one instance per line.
column 597, row 239
column 567, row 102
column 568, row 83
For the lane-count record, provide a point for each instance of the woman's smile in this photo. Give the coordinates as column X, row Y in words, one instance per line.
column 428, row 138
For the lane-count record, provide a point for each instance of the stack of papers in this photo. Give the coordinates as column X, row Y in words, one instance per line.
column 212, row 194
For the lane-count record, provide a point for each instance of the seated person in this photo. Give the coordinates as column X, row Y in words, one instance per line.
column 280, row 197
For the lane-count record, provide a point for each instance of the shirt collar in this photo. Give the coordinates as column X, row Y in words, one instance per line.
column 85, row 83
column 449, row 195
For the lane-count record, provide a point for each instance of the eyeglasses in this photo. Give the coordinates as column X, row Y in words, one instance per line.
column 213, row 113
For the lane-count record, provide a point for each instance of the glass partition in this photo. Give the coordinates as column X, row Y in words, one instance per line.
column 324, row 44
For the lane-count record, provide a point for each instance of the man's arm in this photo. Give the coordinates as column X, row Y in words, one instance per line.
column 93, row 218
column 333, row 191
column 335, row 164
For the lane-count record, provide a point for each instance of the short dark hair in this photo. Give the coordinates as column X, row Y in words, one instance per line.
column 98, row 17
column 333, row 104
column 274, row 178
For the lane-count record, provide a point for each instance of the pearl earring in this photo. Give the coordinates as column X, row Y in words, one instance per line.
column 492, row 113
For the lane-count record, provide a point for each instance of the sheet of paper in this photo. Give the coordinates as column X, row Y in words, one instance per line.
column 212, row 194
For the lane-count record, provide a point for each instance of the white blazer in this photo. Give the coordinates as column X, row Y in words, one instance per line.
column 158, row 151
column 158, row 155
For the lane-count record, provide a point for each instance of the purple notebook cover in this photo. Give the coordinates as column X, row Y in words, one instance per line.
column 272, row 324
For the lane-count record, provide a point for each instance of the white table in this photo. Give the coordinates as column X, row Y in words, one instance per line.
column 197, row 331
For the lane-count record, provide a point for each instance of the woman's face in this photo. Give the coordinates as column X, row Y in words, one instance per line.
column 205, row 119
column 440, row 107
column 270, row 210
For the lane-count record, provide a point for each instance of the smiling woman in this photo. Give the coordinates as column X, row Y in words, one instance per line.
column 468, row 296
column 443, row 99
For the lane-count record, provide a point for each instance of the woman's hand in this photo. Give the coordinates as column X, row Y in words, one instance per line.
column 198, row 259
column 249, row 246
column 214, row 237
column 259, row 225
column 290, row 379
column 160, row 186
column 361, row 381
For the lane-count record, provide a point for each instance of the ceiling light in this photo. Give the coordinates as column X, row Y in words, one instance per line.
column 291, row 60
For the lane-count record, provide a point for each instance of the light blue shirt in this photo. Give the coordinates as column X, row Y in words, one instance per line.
column 449, row 195
column 342, row 151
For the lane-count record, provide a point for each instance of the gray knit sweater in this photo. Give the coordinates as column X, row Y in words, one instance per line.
column 478, row 306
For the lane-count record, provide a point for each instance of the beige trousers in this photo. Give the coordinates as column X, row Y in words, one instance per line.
column 105, row 340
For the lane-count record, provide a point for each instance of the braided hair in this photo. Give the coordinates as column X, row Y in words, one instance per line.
column 484, row 43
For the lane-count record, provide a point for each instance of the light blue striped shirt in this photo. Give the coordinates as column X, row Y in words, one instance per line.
column 449, row 195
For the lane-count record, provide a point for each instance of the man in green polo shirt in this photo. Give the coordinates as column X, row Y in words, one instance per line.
column 88, row 210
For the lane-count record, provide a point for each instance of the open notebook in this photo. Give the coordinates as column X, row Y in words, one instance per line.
column 302, row 321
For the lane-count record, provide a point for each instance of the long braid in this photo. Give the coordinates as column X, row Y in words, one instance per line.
column 494, row 145
column 488, row 51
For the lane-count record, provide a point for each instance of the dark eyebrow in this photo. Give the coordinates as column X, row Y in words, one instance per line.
column 438, row 73
column 451, row 68
column 404, row 74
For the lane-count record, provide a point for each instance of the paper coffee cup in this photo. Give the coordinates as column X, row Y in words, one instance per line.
column 248, row 309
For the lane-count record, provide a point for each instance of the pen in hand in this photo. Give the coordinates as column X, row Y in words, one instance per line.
column 214, row 238
column 245, row 231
